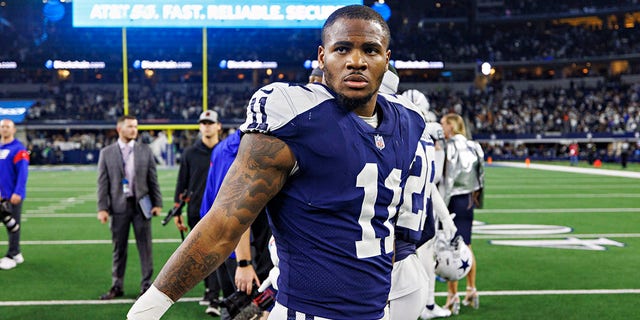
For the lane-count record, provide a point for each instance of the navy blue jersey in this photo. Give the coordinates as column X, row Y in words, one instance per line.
column 333, row 219
column 415, row 219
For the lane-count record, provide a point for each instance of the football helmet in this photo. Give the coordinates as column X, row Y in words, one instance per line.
column 453, row 258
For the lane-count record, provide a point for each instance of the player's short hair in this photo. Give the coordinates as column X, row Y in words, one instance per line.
column 122, row 119
column 360, row 12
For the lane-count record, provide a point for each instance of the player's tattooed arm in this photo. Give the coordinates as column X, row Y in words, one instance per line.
column 260, row 170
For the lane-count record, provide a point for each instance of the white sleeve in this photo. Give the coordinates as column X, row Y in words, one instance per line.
column 442, row 213
column 439, row 207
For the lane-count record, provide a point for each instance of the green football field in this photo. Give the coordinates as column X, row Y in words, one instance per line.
column 549, row 245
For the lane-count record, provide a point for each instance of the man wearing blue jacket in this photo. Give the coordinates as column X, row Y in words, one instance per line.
column 14, row 170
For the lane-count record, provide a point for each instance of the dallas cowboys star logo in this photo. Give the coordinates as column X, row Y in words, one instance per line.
column 465, row 265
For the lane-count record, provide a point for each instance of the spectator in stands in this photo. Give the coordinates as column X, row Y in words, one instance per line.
column 574, row 153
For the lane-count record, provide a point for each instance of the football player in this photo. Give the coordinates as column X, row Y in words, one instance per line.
column 329, row 164
column 411, row 283
column 426, row 252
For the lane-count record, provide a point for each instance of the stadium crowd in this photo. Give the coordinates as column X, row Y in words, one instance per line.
column 460, row 41
column 609, row 107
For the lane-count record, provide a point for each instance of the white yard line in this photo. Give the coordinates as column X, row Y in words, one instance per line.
column 561, row 195
column 82, row 242
column 439, row 294
column 30, row 215
column 475, row 236
column 602, row 172
column 558, row 235
column 559, row 210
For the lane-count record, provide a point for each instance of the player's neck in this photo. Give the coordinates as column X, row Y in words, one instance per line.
column 367, row 110
column 6, row 140
column 125, row 140
column 210, row 141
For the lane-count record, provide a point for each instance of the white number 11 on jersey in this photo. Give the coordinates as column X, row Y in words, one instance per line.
column 369, row 246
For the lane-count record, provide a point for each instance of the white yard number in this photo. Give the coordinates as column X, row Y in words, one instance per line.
column 369, row 246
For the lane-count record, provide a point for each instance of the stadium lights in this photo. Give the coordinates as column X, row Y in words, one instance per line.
column 63, row 74
column 486, row 68
column 310, row 64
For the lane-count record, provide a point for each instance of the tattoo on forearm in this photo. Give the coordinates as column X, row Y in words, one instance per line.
column 195, row 265
column 256, row 177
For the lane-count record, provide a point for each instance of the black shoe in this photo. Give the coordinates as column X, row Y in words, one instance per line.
column 214, row 308
column 208, row 297
column 114, row 292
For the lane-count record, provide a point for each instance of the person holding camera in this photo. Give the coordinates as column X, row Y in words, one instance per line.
column 14, row 170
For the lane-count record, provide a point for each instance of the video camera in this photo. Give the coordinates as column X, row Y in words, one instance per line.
column 5, row 215
column 184, row 197
column 244, row 307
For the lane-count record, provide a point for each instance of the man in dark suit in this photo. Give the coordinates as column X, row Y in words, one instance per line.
column 128, row 191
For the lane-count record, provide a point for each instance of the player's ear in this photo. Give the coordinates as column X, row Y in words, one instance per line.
column 321, row 57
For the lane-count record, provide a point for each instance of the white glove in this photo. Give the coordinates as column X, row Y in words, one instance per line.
column 448, row 227
column 272, row 280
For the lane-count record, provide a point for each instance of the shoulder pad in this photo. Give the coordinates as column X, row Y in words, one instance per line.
column 434, row 130
column 274, row 105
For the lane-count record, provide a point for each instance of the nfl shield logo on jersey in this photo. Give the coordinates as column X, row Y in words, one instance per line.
column 379, row 141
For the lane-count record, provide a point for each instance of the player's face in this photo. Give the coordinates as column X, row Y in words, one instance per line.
column 315, row 79
column 7, row 129
column 354, row 58
column 209, row 129
column 128, row 130
column 447, row 128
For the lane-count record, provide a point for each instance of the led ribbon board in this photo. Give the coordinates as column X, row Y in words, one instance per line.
column 204, row 13
column 15, row 110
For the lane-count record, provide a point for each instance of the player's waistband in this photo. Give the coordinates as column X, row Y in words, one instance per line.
column 280, row 312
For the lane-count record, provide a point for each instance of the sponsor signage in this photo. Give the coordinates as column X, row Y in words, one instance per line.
column 205, row 13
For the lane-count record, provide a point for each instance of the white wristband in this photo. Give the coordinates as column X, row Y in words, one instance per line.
column 150, row 306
